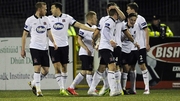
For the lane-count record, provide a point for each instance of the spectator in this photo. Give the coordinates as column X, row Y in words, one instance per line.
column 158, row 29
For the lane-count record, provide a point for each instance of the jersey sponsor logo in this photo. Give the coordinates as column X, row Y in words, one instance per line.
column 58, row 26
column 166, row 52
column 40, row 29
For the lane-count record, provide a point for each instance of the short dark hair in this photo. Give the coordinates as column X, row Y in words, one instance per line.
column 112, row 12
column 132, row 15
column 133, row 5
column 39, row 5
column 58, row 5
column 90, row 14
column 111, row 4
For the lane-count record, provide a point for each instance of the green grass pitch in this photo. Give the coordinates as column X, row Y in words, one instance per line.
column 52, row 95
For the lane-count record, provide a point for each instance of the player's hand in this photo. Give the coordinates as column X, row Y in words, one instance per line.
column 55, row 47
column 23, row 54
column 88, row 52
column 137, row 45
column 97, row 46
column 147, row 47
column 113, row 43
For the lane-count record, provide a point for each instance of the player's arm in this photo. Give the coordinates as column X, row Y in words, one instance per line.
column 147, row 38
column 24, row 36
column 81, row 43
column 49, row 33
column 120, row 13
column 129, row 36
column 82, row 26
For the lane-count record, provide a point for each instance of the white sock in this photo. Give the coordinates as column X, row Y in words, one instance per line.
column 133, row 80
column 77, row 80
column 37, row 81
column 58, row 79
column 63, row 79
column 89, row 79
column 145, row 74
column 118, row 79
column 96, row 79
column 105, row 80
column 112, row 81
column 41, row 77
column 124, row 80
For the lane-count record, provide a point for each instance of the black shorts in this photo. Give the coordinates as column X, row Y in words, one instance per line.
column 138, row 55
column 125, row 59
column 40, row 57
column 60, row 55
column 87, row 62
column 117, row 55
column 106, row 57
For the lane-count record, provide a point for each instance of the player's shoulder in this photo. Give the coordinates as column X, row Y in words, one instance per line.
column 50, row 16
column 140, row 18
column 104, row 18
column 94, row 26
column 65, row 15
column 32, row 17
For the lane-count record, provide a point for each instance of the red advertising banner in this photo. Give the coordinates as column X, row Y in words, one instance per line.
column 163, row 63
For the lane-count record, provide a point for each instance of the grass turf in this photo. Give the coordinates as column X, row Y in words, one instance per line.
column 53, row 95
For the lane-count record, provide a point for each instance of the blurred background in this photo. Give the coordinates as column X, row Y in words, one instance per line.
column 13, row 13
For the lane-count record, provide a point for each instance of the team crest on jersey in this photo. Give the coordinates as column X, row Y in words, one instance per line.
column 63, row 20
column 58, row 26
column 40, row 29
column 44, row 23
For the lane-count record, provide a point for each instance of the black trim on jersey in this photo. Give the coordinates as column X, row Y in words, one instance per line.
column 129, row 26
column 112, row 19
column 26, row 30
column 145, row 27
column 58, row 16
column 89, row 25
column 36, row 16
column 124, row 30
column 74, row 23
column 98, row 29
column 49, row 29
column 81, row 36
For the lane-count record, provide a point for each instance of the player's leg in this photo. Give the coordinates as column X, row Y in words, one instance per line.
column 64, row 59
column 145, row 73
column 96, row 78
column 118, row 73
column 105, row 89
column 132, row 73
column 55, row 58
column 35, row 84
column 107, row 56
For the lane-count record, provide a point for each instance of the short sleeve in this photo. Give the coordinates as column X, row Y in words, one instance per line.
column 142, row 23
column 27, row 25
column 81, row 33
column 71, row 20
